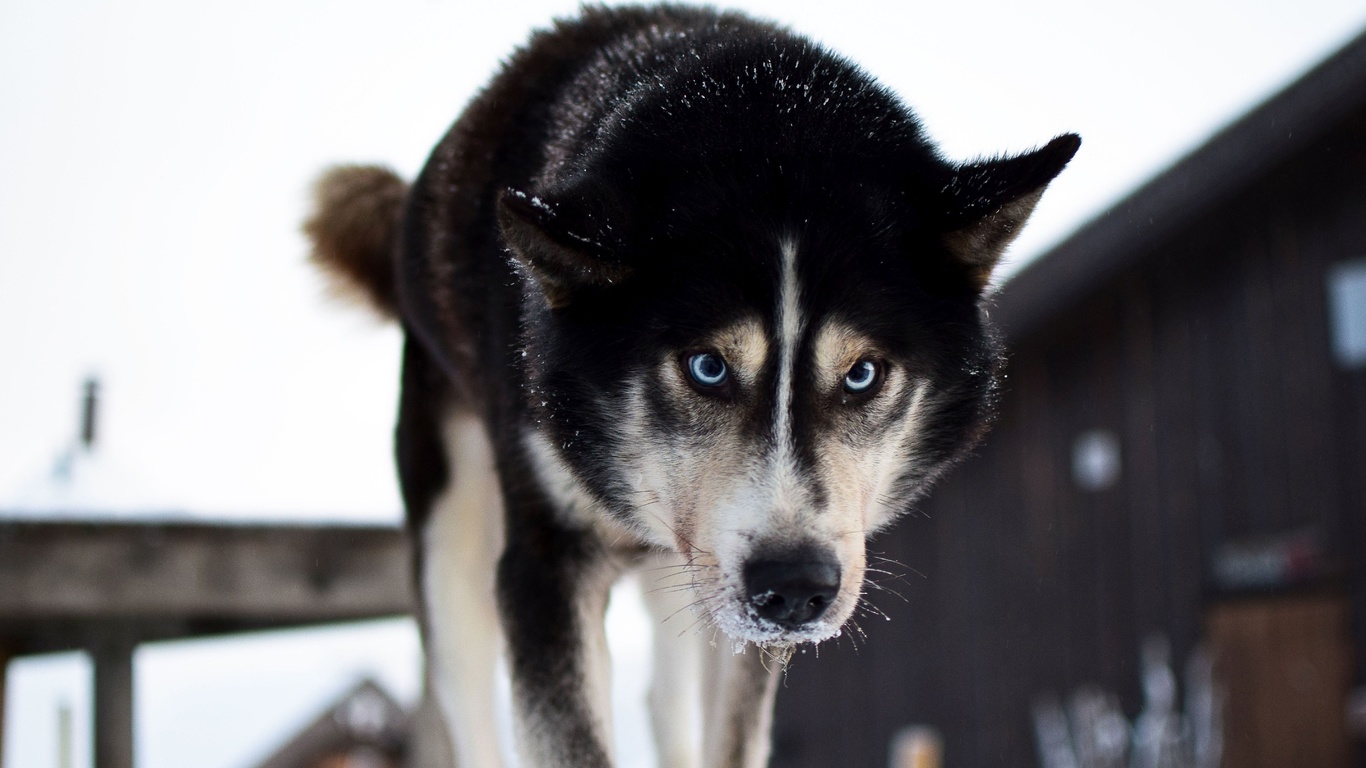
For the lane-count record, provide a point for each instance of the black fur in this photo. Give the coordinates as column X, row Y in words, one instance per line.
column 670, row 148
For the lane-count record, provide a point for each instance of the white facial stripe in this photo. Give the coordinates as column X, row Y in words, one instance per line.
column 790, row 324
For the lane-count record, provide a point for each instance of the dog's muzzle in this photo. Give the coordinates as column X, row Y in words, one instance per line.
column 794, row 590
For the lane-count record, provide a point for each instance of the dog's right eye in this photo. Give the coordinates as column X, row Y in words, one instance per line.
column 708, row 370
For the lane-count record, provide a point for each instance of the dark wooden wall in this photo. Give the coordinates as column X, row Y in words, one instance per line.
column 1211, row 362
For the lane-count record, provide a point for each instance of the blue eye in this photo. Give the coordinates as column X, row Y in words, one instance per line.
column 708, row 370
column 862, row 377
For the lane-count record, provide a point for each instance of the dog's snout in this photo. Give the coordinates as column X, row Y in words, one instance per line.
column 789, row 592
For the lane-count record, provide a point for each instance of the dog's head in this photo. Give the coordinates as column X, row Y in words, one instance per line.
column 759, row 351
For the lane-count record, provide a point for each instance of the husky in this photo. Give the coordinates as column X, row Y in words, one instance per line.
column 683, row 292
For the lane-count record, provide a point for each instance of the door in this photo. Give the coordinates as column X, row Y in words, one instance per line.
column 1286, row 665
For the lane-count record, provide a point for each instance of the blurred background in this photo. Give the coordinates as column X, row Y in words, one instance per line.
column 197, row 502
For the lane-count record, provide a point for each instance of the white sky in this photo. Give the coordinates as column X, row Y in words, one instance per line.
column 154, row 161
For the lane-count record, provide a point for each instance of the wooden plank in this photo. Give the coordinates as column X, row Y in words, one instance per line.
column 167, row 580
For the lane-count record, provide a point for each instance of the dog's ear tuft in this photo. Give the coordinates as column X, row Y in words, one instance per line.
column 563, row 256
column 988, row 203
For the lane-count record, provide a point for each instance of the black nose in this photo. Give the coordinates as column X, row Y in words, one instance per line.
column 791, row 592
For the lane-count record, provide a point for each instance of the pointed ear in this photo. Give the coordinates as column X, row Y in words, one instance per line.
column 555, row 247
column 988, row 203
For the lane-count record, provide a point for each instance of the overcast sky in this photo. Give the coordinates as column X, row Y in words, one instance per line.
column 154, row 162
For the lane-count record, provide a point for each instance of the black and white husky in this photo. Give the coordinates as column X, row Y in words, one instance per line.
column 680, row 289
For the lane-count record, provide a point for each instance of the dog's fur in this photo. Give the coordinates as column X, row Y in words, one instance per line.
column 639, row 192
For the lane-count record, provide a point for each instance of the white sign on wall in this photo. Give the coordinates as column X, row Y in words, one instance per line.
column 1347, row 312
column 1095, row 460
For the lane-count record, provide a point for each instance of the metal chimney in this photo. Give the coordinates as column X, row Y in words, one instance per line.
column 89, row 412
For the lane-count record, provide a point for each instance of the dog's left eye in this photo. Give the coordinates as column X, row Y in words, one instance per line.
column 863, row 378
column 708, row 370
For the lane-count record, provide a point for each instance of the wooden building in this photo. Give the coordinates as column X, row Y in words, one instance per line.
column 1181, row 449
column 364, row 728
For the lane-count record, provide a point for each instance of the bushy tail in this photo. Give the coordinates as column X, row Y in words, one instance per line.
column 353, row 226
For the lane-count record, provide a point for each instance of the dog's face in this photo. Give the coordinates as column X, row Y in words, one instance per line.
column 768, row 449
column 762, row 378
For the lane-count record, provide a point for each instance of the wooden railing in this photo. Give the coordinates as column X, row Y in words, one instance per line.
column 105, row 587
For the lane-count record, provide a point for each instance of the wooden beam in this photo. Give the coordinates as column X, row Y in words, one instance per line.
column 178, row 579
column 105, row 586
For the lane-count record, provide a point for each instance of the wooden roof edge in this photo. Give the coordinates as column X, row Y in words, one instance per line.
column 1234, row 157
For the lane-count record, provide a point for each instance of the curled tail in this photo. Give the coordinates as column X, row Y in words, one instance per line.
column 353, row 227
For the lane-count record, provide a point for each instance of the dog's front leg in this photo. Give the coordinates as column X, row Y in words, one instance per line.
column 553, row 585
column 739, row 698
column 675, row 689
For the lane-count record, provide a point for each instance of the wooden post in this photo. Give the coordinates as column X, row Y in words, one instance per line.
column 4, row 668
column 113, row 657
column 66, row 757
